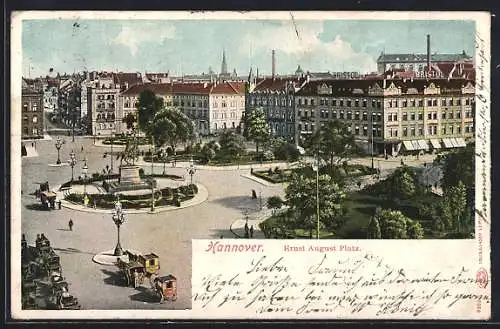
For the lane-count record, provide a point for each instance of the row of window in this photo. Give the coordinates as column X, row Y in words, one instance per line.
column 105, row 97
column 105, row 116
column 223, row 115
column 412, row 116
column 430, row 102
column 34, row 119
column 34, row 131
column 34, row 107
column 272, row 101
column 105, row 126
column 394, row 132
column 224, row 125
column 349, row 115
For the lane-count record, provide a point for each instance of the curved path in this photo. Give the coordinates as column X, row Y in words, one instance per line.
column 168, row 234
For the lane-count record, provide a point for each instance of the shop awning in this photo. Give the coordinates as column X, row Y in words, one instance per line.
column 447, row 143
column 423, row 144
column 435, row 143
column 408, row 145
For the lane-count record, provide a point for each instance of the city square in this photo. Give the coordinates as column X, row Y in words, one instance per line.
column 119, row 165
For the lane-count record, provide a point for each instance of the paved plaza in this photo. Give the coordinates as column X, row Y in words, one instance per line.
column 168, row 234
column 221, row 214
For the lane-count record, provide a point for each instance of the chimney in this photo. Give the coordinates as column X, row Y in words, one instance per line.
column 273, row 67
column 428, row 52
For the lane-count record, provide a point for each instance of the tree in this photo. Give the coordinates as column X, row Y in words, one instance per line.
column 395, row 225
column 301, row 198
column 147, row 107
column 333, row 142
column 231, row 144
column 374, row 229
column 130, row 121
column 256, row 127
column 274, row 202
column 454, row 205
column 284, row 150
column 401, row 184
column 170, row 126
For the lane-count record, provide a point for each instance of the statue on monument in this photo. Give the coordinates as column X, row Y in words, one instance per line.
column 129, row 154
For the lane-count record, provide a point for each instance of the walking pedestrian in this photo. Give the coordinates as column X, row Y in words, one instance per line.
column 251, row 231
column 70, row 224
column 82, row 148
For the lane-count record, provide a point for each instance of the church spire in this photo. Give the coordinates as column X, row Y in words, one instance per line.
column 223, row 69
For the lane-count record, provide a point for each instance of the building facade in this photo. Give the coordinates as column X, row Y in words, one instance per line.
column 102, row 108
column 276, row 96
column 32, row 113
column 391, row 116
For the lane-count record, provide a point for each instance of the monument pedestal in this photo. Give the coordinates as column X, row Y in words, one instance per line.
column 130, row 175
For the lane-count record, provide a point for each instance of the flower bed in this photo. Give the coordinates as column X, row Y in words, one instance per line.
column 163, row 197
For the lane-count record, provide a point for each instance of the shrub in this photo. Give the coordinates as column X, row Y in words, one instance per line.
column 141, row 172
column 194, row 188
column 268, row 156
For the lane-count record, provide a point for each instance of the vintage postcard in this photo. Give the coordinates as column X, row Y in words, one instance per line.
column 250, row 165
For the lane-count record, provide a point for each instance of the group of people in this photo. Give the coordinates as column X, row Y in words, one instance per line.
column 248, row 231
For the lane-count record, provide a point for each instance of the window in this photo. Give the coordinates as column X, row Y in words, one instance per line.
column 35, row 131
column 365, row 116
column 312, row 102
column 341, row 114
column 429, row 115
column 459, row 102
column 443, row 102
column 443, row 130
column 341, row 103
column 334, row 115
column 25, row 107
column 458, row 114
column 25, row 131
column 412, row 130
column 356, row 130
column 305, row 101
column 420, row 102
column 365, row 131
column 443, row 115
column 405, row 116
column 405, row 103
column 412, row 103
column 34, row 107
column 434, row 102
column 35, row 119
column 450, row 102
column 300, row 101
column 321, row 101
column 395, row 118
column 412, row 116
column 467, row 101
column 365, row 103
column 389, row 117
column 356, row 116
column 349, row 115
column 459, row 129
column 420, row 130
column 405, row 131
column 450, row 115
column 349, row 103
column 373, row 103
column 334, row 102
column 356, row 103
column 429, row 102
column 421, row 116
column 25, row 118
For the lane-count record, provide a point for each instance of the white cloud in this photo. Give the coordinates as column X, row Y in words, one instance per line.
column 134, row 35
column 301, row 42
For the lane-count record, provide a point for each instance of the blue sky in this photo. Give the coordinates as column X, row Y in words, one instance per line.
column 192, row 46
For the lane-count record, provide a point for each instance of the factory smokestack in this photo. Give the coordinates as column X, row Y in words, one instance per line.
column 428, row 52
column 273, row 64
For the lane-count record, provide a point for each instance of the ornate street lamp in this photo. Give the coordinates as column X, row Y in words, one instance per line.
column 315, row 167
column 59, row 143
column 72, row 163
column 85, row 171
column 118, row 219
column 191, row 170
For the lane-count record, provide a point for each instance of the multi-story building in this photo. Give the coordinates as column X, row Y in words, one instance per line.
column 32, row 112
column 392, row 115
column 50, row 95
column 276, row 97
column 211, row 106
column 425, row 64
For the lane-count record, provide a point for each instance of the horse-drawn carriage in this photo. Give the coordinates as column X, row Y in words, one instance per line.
column 166, row 288
column 47, row 197
column 139, row 267
column 66, row 301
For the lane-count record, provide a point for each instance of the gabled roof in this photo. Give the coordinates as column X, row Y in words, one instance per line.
column 233, row 88
column 346, row 87
column 127, row 78
column 276, row 84
column 157, row 88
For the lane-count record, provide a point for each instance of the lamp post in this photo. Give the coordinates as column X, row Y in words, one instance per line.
column 191, row 170
column 85, row 170
column 372, row 141
column 315, row 167
column 163, row 155
column 59, row 143
column 118, row 219
column 72, row 163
